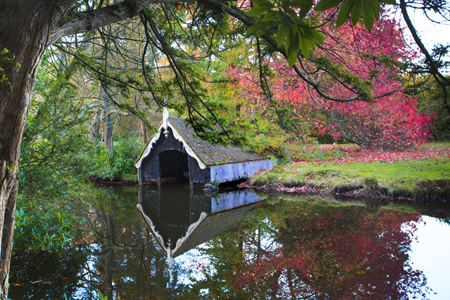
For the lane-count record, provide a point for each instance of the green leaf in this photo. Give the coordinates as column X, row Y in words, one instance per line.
column 281, row 34
column 375, row 8
column 260, row 28
column 317, row 36
column 356, row 12
column 293, row 47
column 367, row 15
column 304, row 47
column 258, row 10
column 344, row 12
column 270, row 16
column 263, row 3
column 289, row 11
column 326, row 4
column 299, row 3
column 305, row 6
column 389, row 2
column 4, row 51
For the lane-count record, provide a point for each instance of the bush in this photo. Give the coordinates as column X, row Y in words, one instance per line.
column 121, row 161
column 42, row 227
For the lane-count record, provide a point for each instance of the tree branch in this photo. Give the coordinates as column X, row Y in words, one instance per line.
column 440, row 79
column 88, row 20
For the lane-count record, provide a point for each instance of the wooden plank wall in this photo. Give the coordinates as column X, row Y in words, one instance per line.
column 197, row 175
column 237, row 171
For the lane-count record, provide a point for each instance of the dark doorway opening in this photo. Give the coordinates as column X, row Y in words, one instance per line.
column 174, row 164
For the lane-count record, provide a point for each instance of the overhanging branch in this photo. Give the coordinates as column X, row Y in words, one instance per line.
column 86, row 21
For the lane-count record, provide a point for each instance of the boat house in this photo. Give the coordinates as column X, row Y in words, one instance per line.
column 176, row 151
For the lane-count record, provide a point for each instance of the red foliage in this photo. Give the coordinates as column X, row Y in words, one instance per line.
column 389, row 121
column 356, row 154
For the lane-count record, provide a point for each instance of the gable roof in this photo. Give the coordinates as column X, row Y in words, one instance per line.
column 205, row 153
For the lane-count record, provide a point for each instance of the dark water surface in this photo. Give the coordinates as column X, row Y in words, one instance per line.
column 178, row 244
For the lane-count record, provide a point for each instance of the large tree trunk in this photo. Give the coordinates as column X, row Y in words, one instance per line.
column 24, row 30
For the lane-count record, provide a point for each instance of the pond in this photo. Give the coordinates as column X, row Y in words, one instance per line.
column 175, row 243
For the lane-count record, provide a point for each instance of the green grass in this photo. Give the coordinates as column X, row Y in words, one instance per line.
column 407, row 177
column 127, row 176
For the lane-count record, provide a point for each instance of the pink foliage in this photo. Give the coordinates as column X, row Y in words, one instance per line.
column 372, row 155
column 389, row 121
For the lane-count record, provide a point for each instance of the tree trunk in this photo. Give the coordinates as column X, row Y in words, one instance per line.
column 94, row 128
column 108, row 132
column 95, row 124
column 24, row 30
column 143, row 133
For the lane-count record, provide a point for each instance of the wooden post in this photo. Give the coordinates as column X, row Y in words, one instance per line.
column 158, row 184
column 140, row 180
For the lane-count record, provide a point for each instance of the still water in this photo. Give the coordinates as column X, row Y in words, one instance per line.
column 178, row 244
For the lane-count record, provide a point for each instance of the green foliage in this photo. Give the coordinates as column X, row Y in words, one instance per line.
column 43, row 227
column 250, row 122
column 120, row 162
column 5, row 60
column 298, row 32
column 105, row 297
column 430, row 101
column 53, row 164
column 53, row 149
column 215, row 181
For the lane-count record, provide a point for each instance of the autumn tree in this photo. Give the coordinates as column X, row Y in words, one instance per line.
column 373, row 61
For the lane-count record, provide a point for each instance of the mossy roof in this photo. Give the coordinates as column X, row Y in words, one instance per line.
column 211, row 154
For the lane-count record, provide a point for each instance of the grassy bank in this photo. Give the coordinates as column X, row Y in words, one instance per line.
column 419, row 174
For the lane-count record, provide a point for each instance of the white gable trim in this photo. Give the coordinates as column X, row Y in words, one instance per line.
column 190, row 230
column 180, row 241
column 166, row 123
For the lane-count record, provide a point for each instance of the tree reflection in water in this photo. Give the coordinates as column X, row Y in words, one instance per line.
column 312, row 250
column 124, row 259
column 303, row 249
column 113, row 253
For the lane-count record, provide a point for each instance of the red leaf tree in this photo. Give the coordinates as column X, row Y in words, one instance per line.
column 351, row 63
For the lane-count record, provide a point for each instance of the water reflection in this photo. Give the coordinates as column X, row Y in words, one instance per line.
column 181, row 219
column 113, row 254
column 226, row 246
column 313, row 250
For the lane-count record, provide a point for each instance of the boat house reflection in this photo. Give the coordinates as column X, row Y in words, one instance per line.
column 181, row 219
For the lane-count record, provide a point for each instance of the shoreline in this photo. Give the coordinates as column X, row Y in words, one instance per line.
column 437, row 191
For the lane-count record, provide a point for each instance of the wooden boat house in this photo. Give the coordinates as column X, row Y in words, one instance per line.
column 176, row 151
